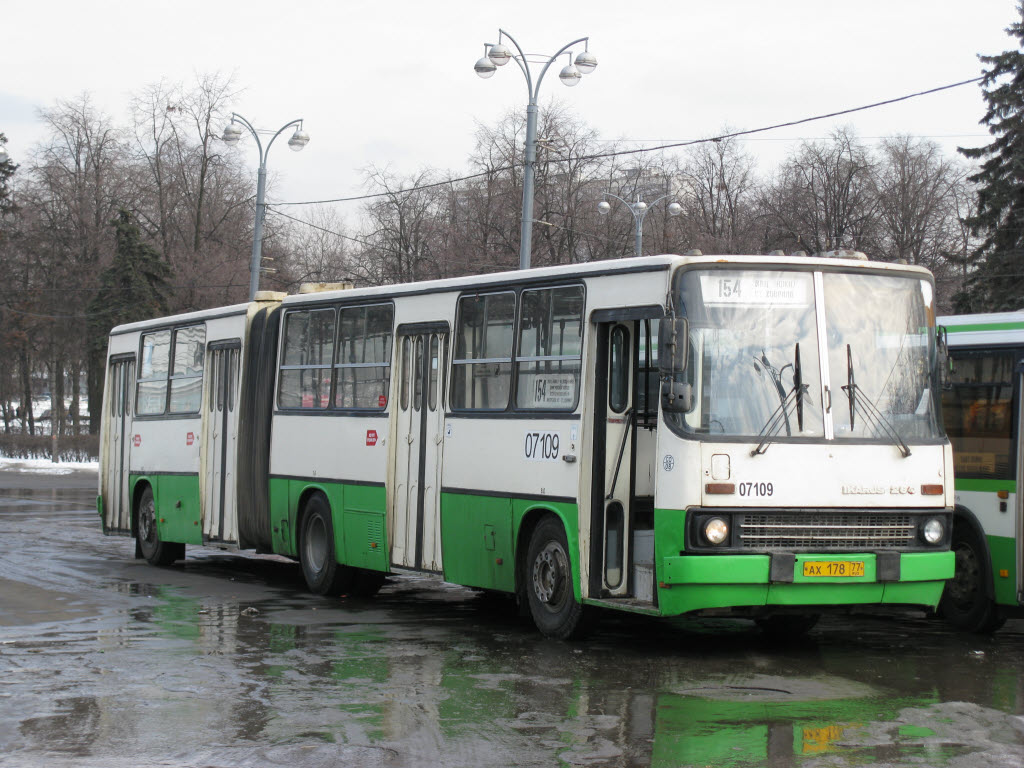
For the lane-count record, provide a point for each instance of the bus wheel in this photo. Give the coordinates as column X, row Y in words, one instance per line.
column 147, row 536
column 548, row 585
column 324, row 575
column 964, row 602
column 787, row 625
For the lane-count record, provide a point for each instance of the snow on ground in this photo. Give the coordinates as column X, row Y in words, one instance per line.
column 45, row 466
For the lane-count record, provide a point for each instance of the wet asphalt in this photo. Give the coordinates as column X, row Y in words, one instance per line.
column 226, row 660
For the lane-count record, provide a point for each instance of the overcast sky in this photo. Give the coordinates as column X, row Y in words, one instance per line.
column 392, row 83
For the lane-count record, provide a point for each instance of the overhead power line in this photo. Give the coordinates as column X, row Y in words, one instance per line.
column 641, row 150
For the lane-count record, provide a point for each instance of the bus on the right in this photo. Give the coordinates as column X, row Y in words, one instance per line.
column 982, row 413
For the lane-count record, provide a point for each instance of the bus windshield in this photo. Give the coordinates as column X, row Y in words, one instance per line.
column 755, row 355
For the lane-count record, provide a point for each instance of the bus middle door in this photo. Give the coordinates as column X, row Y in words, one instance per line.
column 416, row 537
column 219, row 444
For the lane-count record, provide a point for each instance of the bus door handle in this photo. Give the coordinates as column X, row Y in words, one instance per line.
column 828, row 400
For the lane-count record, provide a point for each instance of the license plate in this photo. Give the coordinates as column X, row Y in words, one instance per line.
column 828, row 568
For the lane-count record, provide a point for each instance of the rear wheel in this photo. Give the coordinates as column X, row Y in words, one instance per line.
column 323, row 574
column 147, row 535
column 549, row 589
column 965, row 602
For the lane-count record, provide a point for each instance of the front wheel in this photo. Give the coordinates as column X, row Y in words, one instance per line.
column 147, row 536
column 965, row 602
column 323, row 574
column 549, row 589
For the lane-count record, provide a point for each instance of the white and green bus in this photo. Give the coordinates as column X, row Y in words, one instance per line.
column 982, row 415
column 756, row 436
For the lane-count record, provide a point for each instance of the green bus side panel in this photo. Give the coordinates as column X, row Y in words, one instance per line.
column 363, row 527
column 1003, row 551
column 476, row 541
column 281, row 518
column 357, row 515
column 479, row 535
column 178, row 512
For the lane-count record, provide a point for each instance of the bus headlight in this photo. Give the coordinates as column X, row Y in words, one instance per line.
column 716, row 530
column 933, row 531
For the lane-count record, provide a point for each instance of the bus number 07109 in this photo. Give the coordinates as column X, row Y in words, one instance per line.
column 756, row 489
column 541, row 446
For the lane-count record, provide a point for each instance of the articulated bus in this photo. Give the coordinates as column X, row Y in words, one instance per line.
column 982, row 417
column 755, row 436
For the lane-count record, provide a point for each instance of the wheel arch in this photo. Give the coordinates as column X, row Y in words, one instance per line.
column 528, row 523
column 139, row 487
column 965, row 519
column 302, row 502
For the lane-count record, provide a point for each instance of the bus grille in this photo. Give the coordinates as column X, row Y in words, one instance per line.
column 827, row 531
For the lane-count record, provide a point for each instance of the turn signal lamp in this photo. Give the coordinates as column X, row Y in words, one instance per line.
column 931, row 490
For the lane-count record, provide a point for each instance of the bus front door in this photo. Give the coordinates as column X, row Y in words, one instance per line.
column 219, row 445
column 416, row 529
column 625, row 419
column 117, row 503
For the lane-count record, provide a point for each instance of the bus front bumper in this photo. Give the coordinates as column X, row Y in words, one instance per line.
column 697, row 582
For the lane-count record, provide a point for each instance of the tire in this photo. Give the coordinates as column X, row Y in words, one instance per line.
column 787, row 626
column 147, row 536
column 548, row 583
column 965, row 603
column 323, row 574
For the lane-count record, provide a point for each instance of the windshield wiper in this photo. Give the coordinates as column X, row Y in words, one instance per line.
column 873, row 416
column 780, row 415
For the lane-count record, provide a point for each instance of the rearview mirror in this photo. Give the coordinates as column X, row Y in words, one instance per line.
column 673, row 348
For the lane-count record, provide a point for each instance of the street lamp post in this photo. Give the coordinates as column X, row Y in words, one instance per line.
column 298, row 140
column 498, row 55
column 639, row 209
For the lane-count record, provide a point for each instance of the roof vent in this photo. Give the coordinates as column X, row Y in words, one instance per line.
column 777, row 253
column 321, row 287
column 694, row 252
column 269, row 296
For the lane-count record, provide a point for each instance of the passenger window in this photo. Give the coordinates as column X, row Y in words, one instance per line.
column 187, row 373
column 306, row 358
column 550, row 349
column 363, row 367
column 482, row 363
column 154, row 364
column 978, row 414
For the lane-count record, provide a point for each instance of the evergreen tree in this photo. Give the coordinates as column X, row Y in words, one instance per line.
column 998, row 282
column 134, row 287
column 7, row 169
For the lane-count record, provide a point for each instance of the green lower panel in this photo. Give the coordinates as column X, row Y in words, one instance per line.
column 178, row 510
column 480, row 538
column 1003, row 552
column 357, row 514
column 476, row 541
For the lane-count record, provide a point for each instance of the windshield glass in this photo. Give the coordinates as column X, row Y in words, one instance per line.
column 754, row 332
column 879, row 338
column 745, row 329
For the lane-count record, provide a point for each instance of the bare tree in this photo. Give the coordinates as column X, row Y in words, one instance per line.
column 822, row 198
